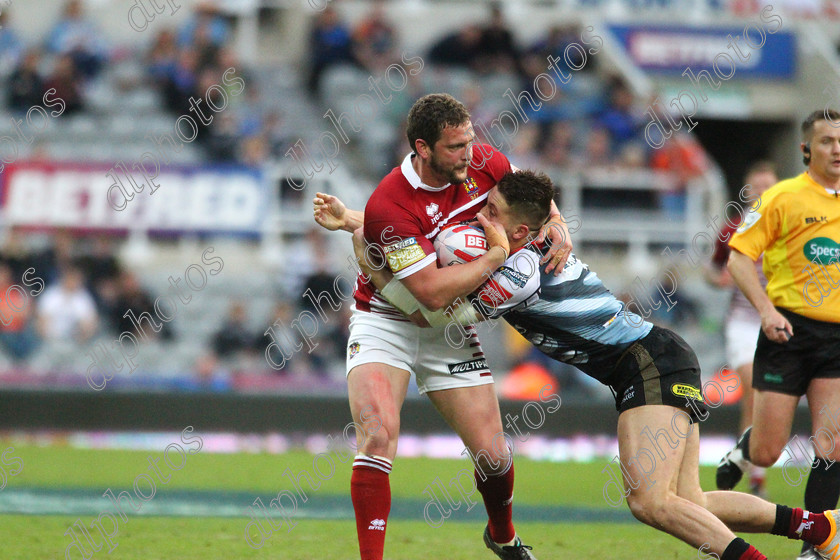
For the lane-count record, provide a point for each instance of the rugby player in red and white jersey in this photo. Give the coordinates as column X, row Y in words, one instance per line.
column 444, row 180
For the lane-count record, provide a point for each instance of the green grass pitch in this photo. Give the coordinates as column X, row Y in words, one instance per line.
column 538, row 485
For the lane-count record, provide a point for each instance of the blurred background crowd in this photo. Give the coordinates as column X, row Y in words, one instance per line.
column 118, row 93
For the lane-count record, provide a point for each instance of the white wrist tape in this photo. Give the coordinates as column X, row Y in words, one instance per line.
column 463, row 313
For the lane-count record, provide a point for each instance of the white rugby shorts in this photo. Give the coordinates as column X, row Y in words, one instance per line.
column 741, row 339
column 436, row 363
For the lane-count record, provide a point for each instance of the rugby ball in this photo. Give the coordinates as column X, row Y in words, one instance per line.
column 460, row 244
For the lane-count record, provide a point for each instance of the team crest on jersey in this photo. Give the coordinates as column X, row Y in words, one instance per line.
column 352, row 350
column 471, row 187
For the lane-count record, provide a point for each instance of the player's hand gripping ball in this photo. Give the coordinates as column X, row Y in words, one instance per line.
column 460, row 244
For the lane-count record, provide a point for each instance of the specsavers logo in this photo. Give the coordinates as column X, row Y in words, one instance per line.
column 822, row 250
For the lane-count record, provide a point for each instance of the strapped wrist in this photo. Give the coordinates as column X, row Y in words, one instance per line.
column 505, row 251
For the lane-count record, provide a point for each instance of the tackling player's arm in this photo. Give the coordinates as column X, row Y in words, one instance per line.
column 556, row 230
column 742, row 268
column 330, row 213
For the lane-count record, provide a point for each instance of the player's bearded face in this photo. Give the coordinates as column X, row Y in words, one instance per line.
column 452, row 153
column 453, row 173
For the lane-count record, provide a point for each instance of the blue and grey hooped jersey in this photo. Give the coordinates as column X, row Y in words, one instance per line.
column 572, row 317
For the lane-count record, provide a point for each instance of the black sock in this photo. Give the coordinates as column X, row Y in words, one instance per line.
column 783, row 515
column 745, row 444
column 823, row 487
column 735, row 549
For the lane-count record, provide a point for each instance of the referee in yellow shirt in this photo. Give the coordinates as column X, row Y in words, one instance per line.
column 796, row 225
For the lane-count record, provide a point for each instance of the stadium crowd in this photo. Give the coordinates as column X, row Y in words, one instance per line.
column 594, row 121
column 75, row 292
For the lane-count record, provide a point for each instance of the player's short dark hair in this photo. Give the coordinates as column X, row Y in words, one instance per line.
column 760, row 166
column 431, row 114
column 825, row 115
column 528, row 195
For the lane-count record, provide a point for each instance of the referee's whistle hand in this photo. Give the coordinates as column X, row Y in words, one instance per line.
column 776, row 327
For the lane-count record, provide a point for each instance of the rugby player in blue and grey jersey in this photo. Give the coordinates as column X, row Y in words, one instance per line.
column 652, row 372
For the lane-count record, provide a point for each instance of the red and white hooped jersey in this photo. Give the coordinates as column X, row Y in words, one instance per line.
column 404, row 216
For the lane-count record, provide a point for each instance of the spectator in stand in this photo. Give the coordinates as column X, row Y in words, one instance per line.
column 375, row 40
column 132, row 296
column 283, row 361
column 162, row 57
column 620, row 117
column 301, row 261
column 17, row 335
column 66, row 311
column 11, row 47
column 329, row 44
column 254, row 151
column 557, row 150
column 206, row 50
column 250, row 115
column 459, row 49
column 223, row 140
column 181, row 83
column 524, row 150
column 67, row 83
column 481, row 111
column 277, row 134
column 535, row 59
column 209, row 375
column 227, row 58
column 206, row 21
column 234, row 338
column 686, row 313
column 683, row 156
column 25, row 87
column 497, row 49
column 15, row 254
column 322, row 280
column 80, row 39
column 59, row 256
column 597, row 151
column 207, row 78
column 103, row 271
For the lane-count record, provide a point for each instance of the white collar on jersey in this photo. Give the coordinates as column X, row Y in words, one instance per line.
column 414, row 179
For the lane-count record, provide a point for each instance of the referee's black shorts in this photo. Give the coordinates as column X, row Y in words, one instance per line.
column 812, row 352
column 660, row 368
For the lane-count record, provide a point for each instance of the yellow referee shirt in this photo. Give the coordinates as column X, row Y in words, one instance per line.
column 796, row 224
